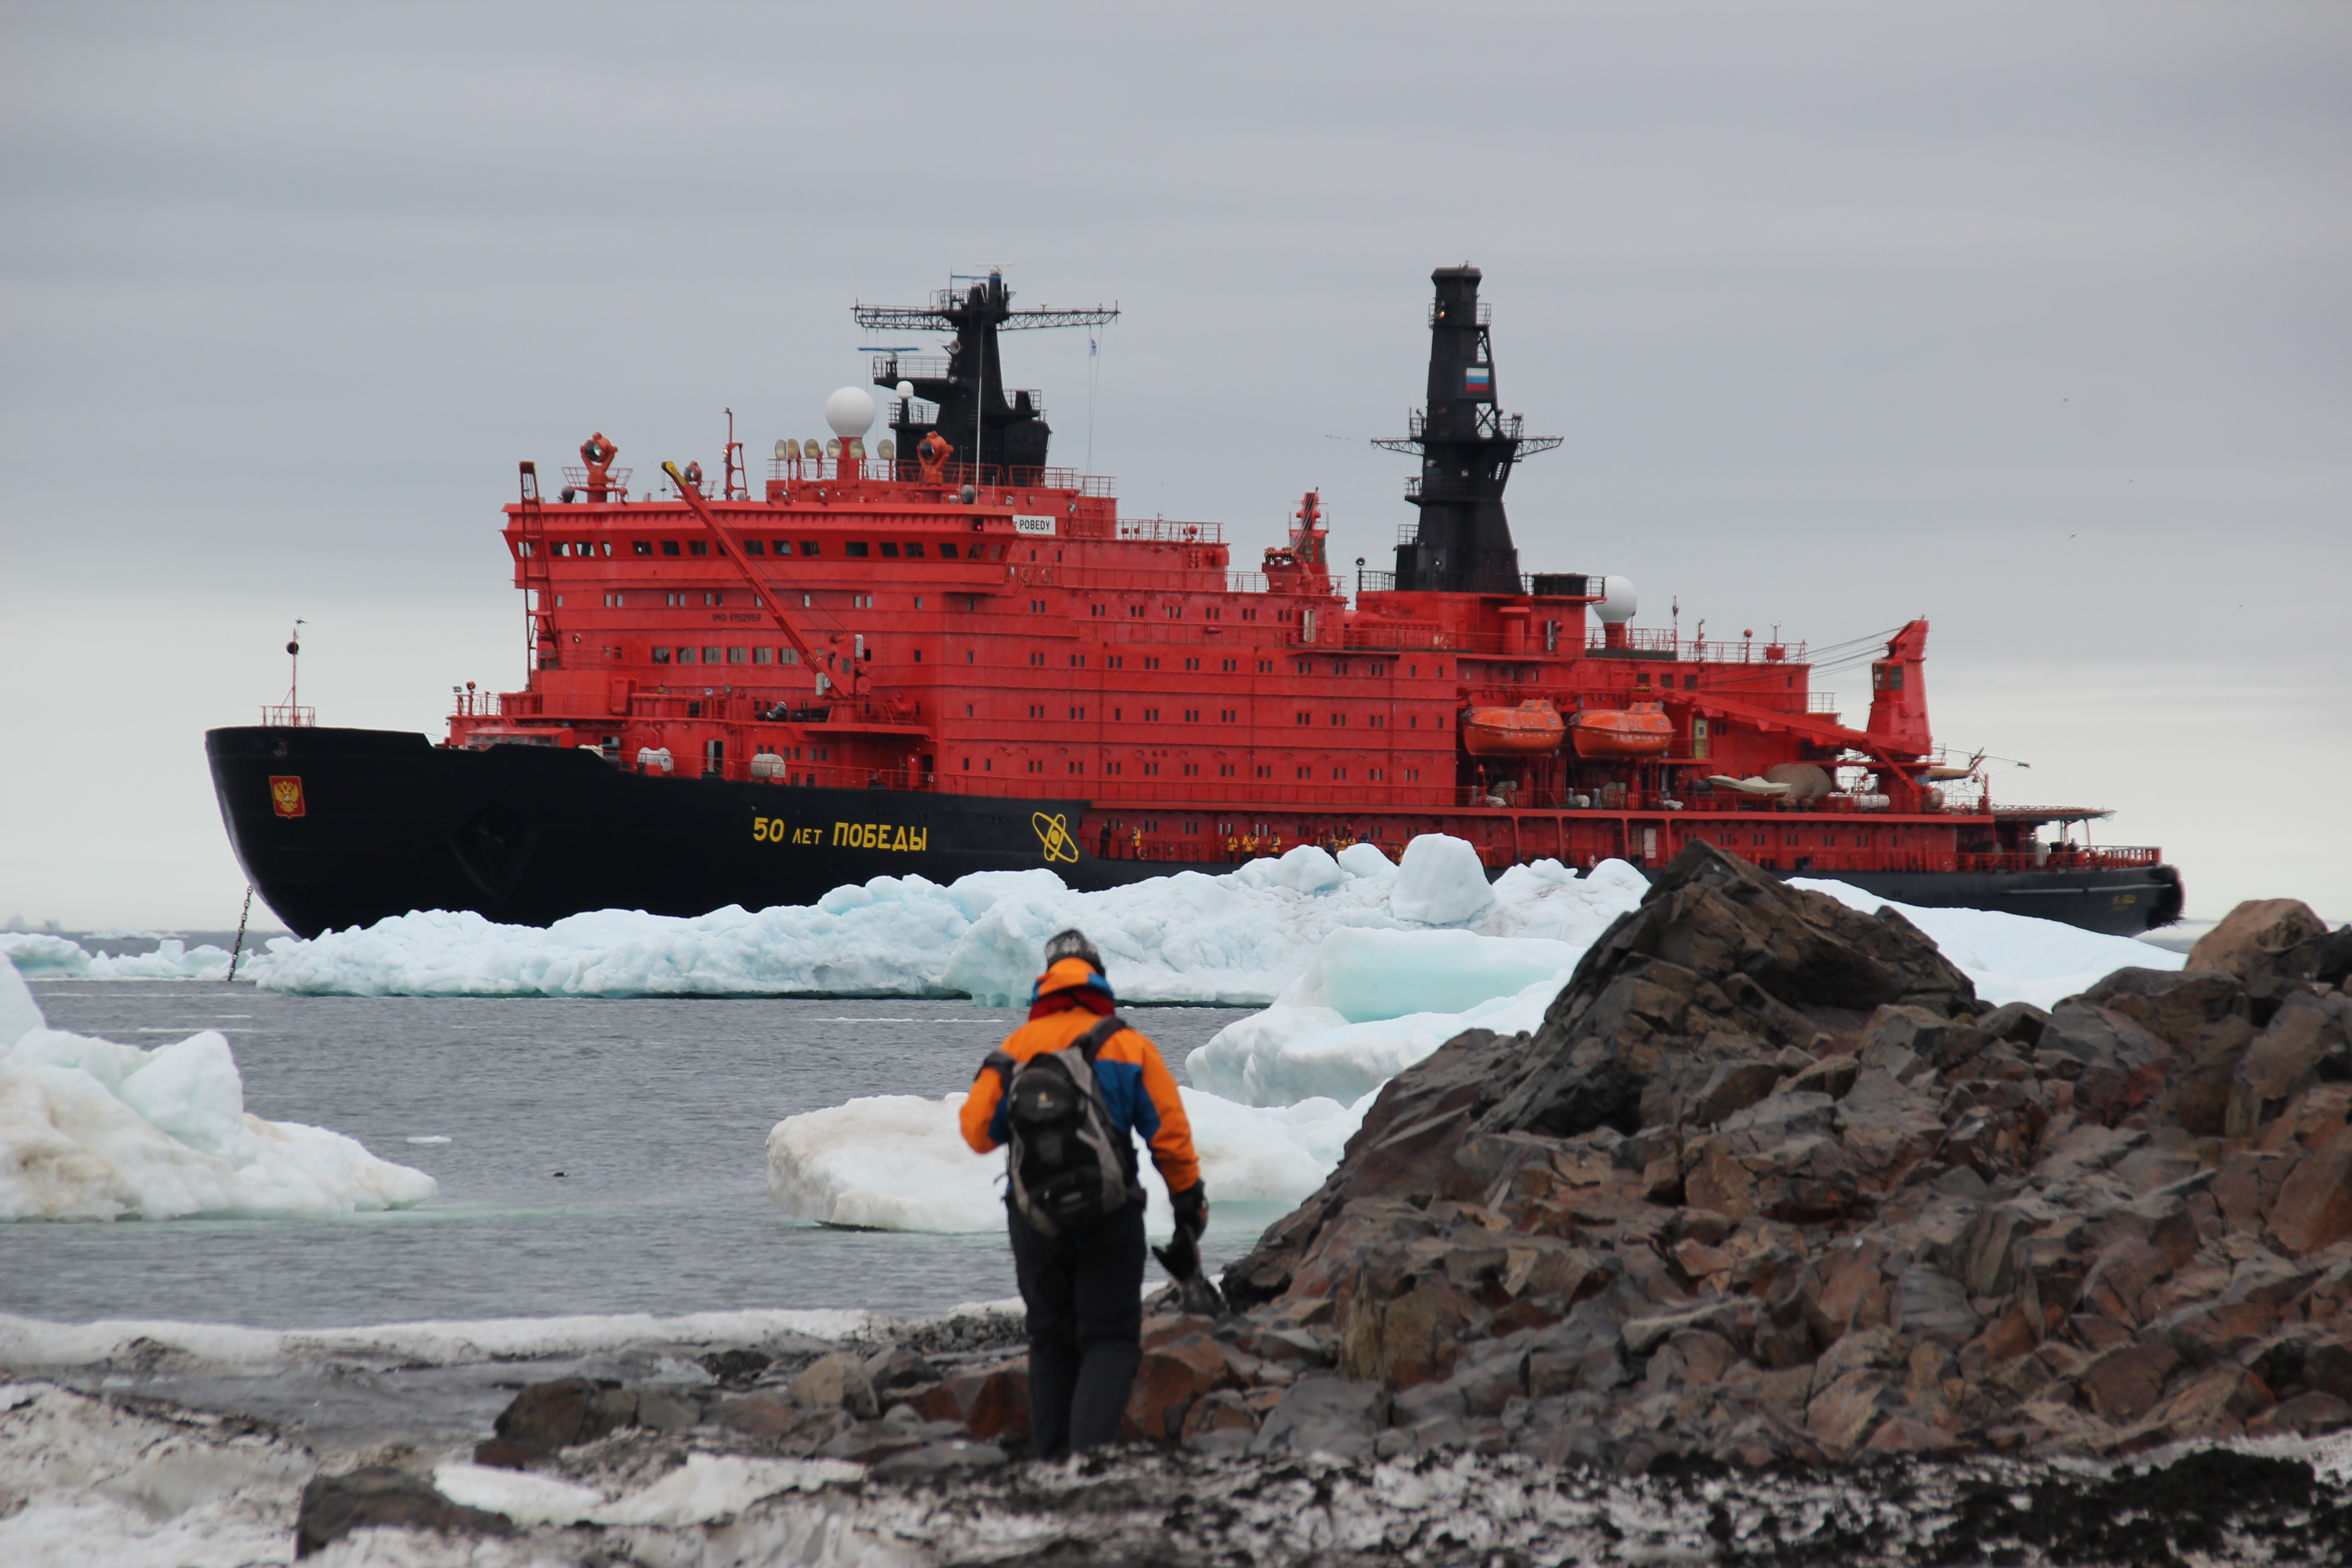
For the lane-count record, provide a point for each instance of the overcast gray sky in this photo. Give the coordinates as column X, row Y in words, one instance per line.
column 2030, row 319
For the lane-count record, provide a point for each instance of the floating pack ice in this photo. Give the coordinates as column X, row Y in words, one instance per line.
column 1374, row 1003
column 1234, row 939
column 898, row 1162
column 92, row 1130
column 37, row 955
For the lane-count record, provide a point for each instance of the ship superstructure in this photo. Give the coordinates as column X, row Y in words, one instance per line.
column 925, row 636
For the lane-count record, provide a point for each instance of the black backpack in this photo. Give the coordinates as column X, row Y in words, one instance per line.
column 1071, row 1170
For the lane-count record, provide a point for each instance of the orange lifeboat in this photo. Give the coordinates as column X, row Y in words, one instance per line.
column 1531, row 729
column 1641, row 730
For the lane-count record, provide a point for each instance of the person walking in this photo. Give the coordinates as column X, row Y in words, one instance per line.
column 1083, row 1283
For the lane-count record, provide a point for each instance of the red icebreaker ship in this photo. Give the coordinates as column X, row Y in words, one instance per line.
column 950, row 656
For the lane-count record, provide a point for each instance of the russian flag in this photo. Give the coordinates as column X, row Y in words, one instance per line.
column 1477, row 379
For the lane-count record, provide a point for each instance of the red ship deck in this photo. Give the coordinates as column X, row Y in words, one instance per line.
column 1032, row 642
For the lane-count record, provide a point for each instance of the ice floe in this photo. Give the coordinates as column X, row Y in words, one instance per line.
column 93, row 1129
column 34, row 1342
column 898, row 1162
column 1372, row 1003
column 1235, row 938
column 38, row 955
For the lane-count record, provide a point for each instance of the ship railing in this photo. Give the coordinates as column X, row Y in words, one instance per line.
column 288, row 716
column 1485, row 315
column 1403, row 638
column 1713, row 650
column 2055, row 858
column 1486, row 421
column 1011, row 484
column 1164, row 530
column 891, row 369
column 575, row 477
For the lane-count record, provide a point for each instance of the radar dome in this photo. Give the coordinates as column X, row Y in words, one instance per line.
column 906, row 389
column 1618, row 602
column 850, row 411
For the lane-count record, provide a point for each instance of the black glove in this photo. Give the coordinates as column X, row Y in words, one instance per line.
column 1191, row 1209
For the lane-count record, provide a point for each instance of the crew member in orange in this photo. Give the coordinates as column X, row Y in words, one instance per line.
column 1084, row 1291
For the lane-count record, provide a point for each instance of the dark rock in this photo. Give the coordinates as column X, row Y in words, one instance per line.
column 379, row 1496
column 567, row 1411
column 737, row 1368
column 1333, row 1416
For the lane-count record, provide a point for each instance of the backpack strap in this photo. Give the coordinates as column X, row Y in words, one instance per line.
column 1091, row 1043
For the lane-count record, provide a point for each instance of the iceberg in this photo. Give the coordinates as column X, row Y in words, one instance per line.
column 93, row 1129
column 37, row 955
column 898, row 1162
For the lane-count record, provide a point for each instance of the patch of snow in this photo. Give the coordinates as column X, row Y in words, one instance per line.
column 83, row 1481
column 40, row 956
column 898, row 1162
column 520, row 1495
column 93, row 1129
column 712, row 1486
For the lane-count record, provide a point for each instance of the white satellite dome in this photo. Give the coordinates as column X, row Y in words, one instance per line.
column 1618, row 600
column 850, row 411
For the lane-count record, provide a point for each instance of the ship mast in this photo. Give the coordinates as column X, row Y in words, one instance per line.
column 967, row 388
column 1467, row 445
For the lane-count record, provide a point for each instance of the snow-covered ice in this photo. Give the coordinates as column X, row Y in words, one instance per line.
column 2013, row 958
column 898, row 1162
column 93, row 1129
column 38, row 955
column 1235, row 938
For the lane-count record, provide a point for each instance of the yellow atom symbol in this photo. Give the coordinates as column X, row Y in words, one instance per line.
column 1053, row 833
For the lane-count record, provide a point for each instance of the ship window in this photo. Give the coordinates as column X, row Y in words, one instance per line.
column 700, row 547
column 669, row 547
column 739, row 656
column 914, row 550
column 753, row 547
column 889, row 551
column 763, row 656
column 809, row 547
column 661, row 655
column 947, row 550
column 919, row 656
column 686, row 656
column 642, row 546
column 855, row 550
column 1339, row 772
column 971, row 657
column 1690, row 683
column 710, row 656
column 1265, row 667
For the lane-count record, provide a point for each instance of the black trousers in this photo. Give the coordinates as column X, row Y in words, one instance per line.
column 1085, row 1296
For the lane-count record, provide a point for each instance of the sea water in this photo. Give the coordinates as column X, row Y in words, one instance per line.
column 594, row 1156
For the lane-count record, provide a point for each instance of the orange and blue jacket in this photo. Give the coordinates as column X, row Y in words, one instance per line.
column 1138, row 1090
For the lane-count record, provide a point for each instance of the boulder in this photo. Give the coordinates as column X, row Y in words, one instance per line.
column 380, row 1497
column 1334, row 1415
column 2252, row 937
column 557, row 1414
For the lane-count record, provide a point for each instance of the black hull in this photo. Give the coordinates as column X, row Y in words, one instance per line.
column 526, row 835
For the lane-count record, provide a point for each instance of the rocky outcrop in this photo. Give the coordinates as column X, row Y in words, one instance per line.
column 1771, row 1182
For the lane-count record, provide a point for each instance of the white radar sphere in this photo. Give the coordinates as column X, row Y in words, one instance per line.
column 906, row 389
column 1618, row 600
column 850, row 411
